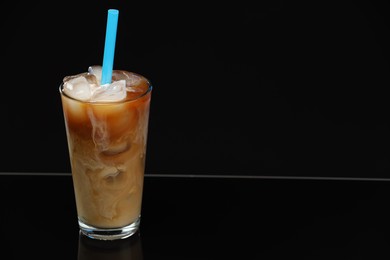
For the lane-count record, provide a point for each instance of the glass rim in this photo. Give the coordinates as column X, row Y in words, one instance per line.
column 150, row 87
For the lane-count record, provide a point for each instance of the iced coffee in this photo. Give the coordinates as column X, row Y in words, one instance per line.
column 106, row 127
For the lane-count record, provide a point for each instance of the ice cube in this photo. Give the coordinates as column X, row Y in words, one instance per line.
column 132, row 79
column 108, row 172
column 116, row 149
column 78, row 87
column 115, row 91
column 97, row 71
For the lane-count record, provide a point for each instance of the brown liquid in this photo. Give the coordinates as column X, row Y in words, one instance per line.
column 107, row 147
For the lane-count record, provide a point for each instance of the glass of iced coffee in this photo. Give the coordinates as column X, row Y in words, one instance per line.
column 106, row 127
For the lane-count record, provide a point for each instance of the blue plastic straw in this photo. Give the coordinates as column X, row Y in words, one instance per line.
column 109, row 46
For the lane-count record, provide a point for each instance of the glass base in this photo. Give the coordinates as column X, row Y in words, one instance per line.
column 109, row 233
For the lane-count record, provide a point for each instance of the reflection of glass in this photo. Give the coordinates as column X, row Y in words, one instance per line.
column 129, row 248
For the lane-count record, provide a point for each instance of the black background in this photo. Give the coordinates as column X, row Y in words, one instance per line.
column 253, row 88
